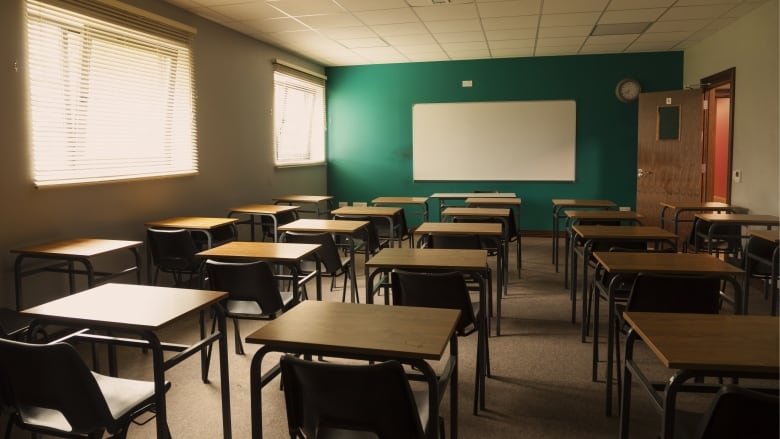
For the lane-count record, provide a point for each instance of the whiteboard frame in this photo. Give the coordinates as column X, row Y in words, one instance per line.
column 494, row 140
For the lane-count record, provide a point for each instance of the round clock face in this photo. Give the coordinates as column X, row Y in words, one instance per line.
column 628, row 90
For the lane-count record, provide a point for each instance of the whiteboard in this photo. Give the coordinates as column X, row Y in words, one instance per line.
column 505, row 140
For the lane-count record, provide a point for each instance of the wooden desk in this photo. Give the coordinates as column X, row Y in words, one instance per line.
column 141, row 310
column 560, row 205
column 697, row 346
column 314, row 200
column 408, row 334
column 591, row 216
column 284, row 253
column 472, row 262
column 388, row 214
column 340, row 227
column 269, row 211
column 621, row 264
column 772, row 237
column 592, row 234
column 455, row 196
column 66, row 253
column 681, row 207
column 420, row 202
column 716, row 220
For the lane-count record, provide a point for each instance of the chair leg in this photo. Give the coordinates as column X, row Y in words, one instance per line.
column 237, row 334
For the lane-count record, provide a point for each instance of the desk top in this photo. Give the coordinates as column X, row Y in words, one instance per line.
column 276, row 251
column 740, row 218
column 192, row 222
column 573, row 202
column 664, row 263
column 323, row 225
column 266, row 209
column 505, row 201
column 695, row 205
column 400, row 200
column 302, row 198
column 622, row 232
column 769, row 235
column 603, row 215
column 126, row 306
column 721, row 342
column 366, row 210
column 464, row 195
column 354, row 329
column 78, row 247
column 476, row 212
column 433, row 258
column 488, row 229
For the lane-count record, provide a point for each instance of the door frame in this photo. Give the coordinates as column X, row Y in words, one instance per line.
column 709, row 85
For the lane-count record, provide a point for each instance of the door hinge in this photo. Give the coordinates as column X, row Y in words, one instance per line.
column 705, row 104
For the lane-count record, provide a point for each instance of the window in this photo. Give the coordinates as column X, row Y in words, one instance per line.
column 111, row 93
column 299, row 116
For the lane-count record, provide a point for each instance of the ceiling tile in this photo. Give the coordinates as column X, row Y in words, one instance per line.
column 677, row 26
column 552, row 42
column 410, row 40
column 468, row 54
column 329, row 20
column 363, row 42
column 569, row 6
column 465, row 46
column 512, row 53
column 454, row 26
column 417, row 49
column 556, row 50
column 510, row 44
column 631, row 16
column 247, row 11
column 581, row 18
column 510, row 34
column 389, row 30
column 611, row 39
column 278, row 24
column 459, row 37
column 694, row 12
column 509, row 8
column 387, row 16
column 519, row 22
column 306, row 7
column 428, row 57
column 663, row 36
column 383, row 54
column 616, row 5
column 373, row 5
column 602, row 48
column 705, row 2
column 565, row 31
column 446, row 12
column 348, row 32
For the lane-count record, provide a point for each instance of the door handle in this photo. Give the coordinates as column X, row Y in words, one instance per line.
column 642, row 172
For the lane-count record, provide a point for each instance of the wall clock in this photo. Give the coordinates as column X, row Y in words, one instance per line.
column 627, row 90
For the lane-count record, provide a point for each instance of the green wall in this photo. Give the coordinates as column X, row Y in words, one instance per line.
column 370, row 123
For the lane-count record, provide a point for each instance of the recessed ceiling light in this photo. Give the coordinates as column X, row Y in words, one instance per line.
column 620, row 28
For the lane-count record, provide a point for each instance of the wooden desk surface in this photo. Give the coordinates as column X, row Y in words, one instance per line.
column 366, row 210
column 464, row 195
column 708, row 205
column 323, row 225
column 267, row 209
column 476, row 211
column 192, row 223
column 603, row 215
column 277, row 251
column 488, row 229
column 507, row 201
column 622, row 232
column 769, row 235
column 573, row 202
column 664, row 263
column 302, row 198
column 77, row 247
column 747, row 219
column 359, row 329
column 743, row 343
column 446, row 259
column 400, row 200
column 125, row 305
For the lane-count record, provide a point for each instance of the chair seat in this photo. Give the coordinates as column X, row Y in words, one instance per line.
column 251, row 308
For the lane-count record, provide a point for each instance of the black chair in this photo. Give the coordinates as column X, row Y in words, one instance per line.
column 737, row 412
column 332, row 263
column 51, row 391
column 367, row 238
column 511, row 235
column 401, row 230
column 759, row 265
column 282, row 218
column 726, row 240
column 253, row 292
column 667, row 293
column 327, row 400
column 444, row 290
column 13, row 324
column 173, row 251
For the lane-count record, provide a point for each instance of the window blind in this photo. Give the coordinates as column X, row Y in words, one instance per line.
column 111, row 93
column 299, row 116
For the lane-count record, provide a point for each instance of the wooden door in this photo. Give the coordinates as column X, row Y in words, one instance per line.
column 669, row 151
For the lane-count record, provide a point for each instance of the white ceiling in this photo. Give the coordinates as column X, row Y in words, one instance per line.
column 354, row 32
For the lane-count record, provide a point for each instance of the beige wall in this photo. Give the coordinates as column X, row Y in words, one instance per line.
column 750, row 45
column 234, row 88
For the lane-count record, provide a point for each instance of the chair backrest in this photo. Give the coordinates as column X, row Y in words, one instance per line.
column 675, row 293
column 739, row 412
column 454, row 241
column 372, row 398
column 172, row 249
column 328, row 251
column 52, row 377
column 369, row 234
column 435, row 290
column 251, row 281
